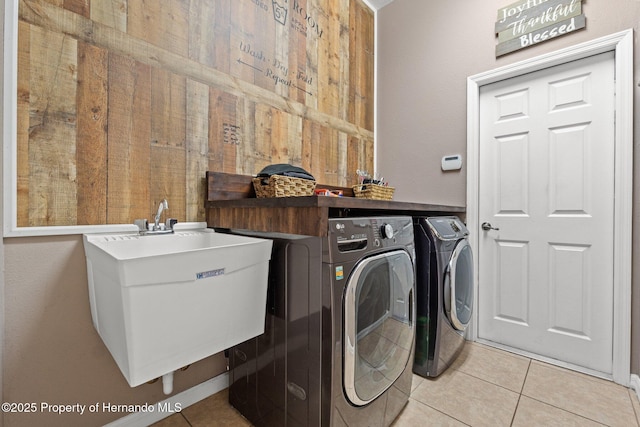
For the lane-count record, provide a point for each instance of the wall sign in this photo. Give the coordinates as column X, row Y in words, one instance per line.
column 528, row 22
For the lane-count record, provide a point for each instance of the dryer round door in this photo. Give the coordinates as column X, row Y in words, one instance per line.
column 458, row 286
column 378, row 324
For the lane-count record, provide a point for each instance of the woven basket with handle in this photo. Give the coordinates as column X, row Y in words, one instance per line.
column 373, row 191
column 283, row 186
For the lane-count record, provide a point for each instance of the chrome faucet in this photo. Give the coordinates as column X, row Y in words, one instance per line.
column 163, row 205
column 156, row 228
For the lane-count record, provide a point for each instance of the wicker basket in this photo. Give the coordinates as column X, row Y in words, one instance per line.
column 283, row 186
column 373, row 191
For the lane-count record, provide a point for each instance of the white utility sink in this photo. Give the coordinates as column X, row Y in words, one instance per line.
column 162, row 302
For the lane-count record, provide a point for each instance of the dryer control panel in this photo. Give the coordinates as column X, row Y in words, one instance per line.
column 448, row 227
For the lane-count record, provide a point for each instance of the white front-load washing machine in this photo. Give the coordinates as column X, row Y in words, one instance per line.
column 444, row 292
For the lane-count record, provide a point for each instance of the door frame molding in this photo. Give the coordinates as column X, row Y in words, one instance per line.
column 622, row 45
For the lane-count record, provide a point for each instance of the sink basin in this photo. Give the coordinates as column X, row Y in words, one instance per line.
column 161, row 302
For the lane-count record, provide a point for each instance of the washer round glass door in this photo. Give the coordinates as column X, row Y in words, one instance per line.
column 458, row 286
column 378, row 324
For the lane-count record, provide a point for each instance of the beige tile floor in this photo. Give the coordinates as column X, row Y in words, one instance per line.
column 484, row 387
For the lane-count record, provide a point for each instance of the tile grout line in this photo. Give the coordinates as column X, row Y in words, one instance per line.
column 558, row 407
column 440, row 411
column 633, row 406
column 567, row 411
column 457, row 369
column 515, row 411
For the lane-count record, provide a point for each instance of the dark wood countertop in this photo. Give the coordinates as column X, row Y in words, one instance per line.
column 338, row 203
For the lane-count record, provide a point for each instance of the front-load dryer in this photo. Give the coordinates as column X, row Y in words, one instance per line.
column 444, row 292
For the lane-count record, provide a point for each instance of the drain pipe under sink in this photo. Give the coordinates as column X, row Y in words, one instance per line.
column 167, row 383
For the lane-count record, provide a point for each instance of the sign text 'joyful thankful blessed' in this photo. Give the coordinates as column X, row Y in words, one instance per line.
column 528, row 22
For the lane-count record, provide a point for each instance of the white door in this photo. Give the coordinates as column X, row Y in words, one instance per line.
column 547, row 188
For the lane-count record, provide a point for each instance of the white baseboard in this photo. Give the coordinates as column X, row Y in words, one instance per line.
column 634, row 384
column 171, row 405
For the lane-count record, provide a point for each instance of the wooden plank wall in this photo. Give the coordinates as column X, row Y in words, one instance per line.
column 124, row 103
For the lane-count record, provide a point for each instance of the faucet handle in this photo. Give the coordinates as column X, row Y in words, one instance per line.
column 170, row 222
column 142, row 224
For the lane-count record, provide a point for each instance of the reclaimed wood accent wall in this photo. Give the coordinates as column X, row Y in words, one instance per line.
column 122, row 103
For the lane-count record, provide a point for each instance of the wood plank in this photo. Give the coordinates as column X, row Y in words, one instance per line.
column 163, row 23
column 329, row 68
column 262, row 138
column 231, row 136
column 312, row 71
column 52, row 128
column 168, row 108
column 343, row 87
column 92, row 134
column 128, row 140
column 327, row 157
column 294, row 139
column 222, row 41
column 111, row 13
column 312, row 152
column 297, row 60
column 279, row 40
column 197, row 144
column 342, row 169
column 361, row 65
column 271, row 37
column 22, row 141
column 224, row 134
column 355, row 161
column 81, row 7
column 224, row 186
column 245, row 114
column 209, row 33
column 369, row 149
column 277, row 135
column 248, row 58
column 202, row 34
column 334, row 157
column 283, row 220
column 306, row 147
